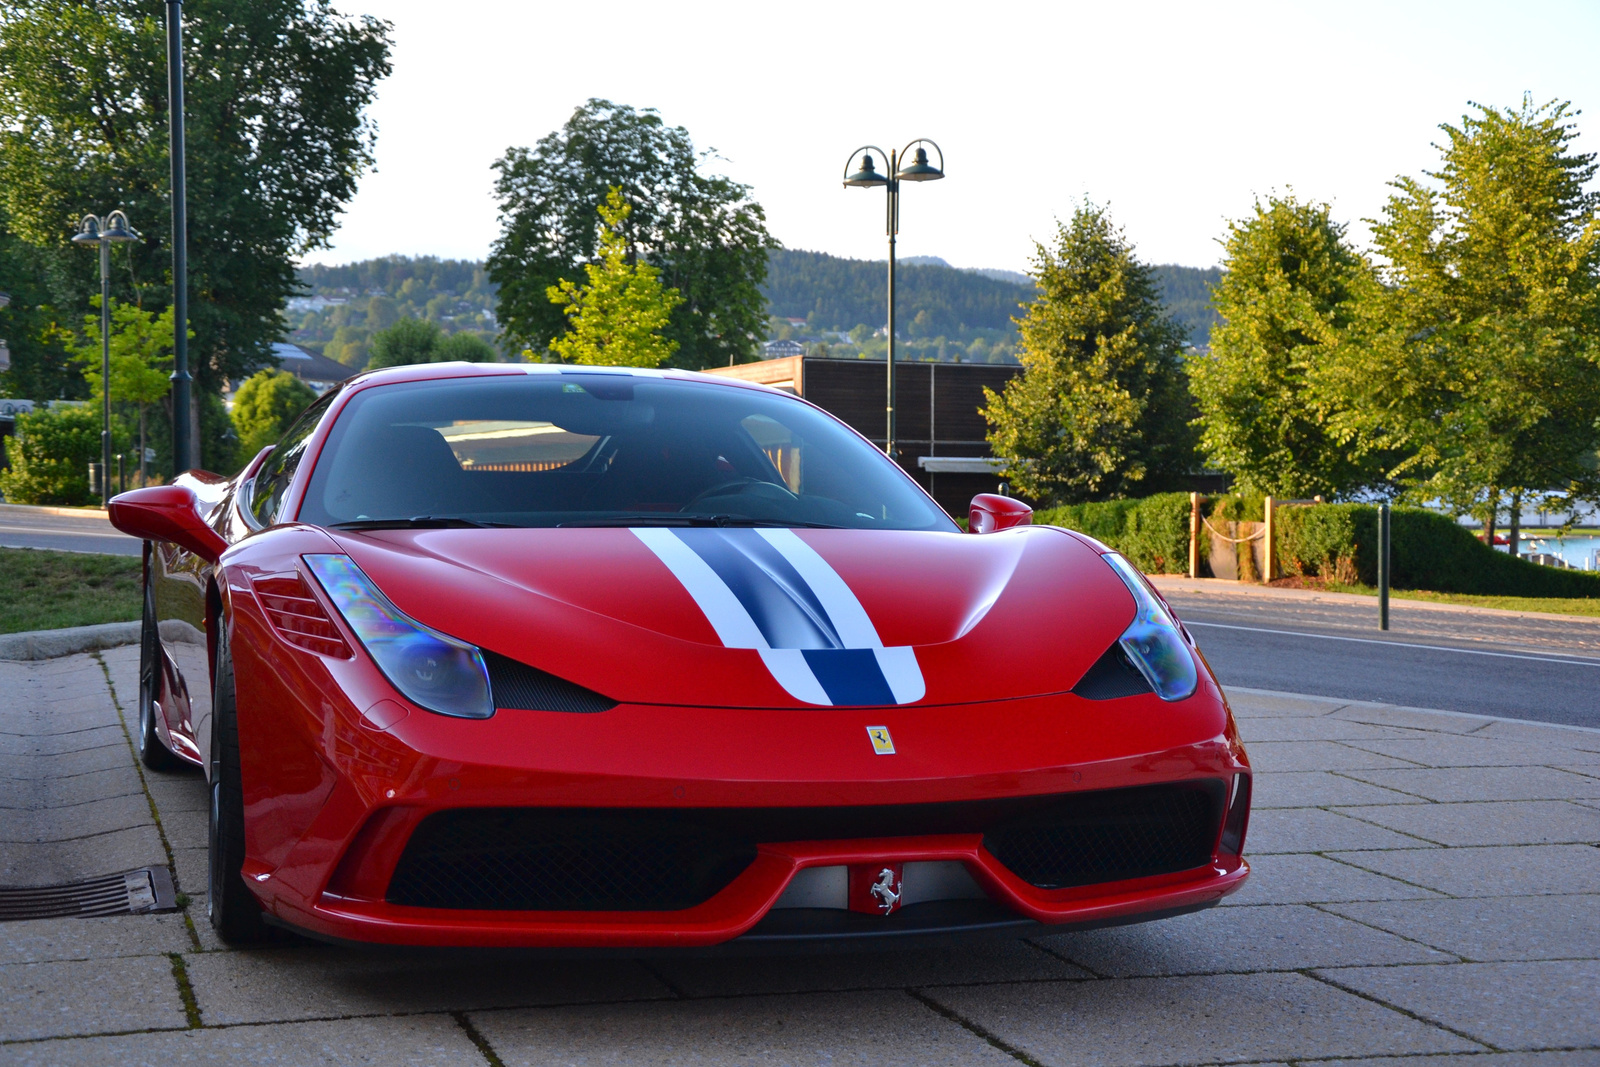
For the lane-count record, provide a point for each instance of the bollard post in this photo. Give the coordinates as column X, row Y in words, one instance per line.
column 1383, row 566
column 96, row 472
column 122, row 475
column 1194, row 535
column 1268, row 570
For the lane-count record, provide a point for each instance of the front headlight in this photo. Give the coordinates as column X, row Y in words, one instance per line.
column 1153, row 641
column 434, row 671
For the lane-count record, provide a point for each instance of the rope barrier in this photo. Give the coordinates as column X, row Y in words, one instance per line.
column 1233, row 540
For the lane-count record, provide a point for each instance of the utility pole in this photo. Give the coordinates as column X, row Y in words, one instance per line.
column 183, row 457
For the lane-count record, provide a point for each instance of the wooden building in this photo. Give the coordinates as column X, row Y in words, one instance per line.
column 939, row 431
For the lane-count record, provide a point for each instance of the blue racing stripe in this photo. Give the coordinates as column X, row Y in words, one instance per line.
column 849, row 675
column 767, row 586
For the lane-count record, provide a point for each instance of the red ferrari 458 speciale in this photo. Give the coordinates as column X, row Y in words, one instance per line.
column 582, row 657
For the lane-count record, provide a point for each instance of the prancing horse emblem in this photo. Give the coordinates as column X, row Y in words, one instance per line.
column 885, row 890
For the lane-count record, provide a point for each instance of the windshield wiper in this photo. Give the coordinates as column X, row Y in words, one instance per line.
column 678, row 518
column 418, row 522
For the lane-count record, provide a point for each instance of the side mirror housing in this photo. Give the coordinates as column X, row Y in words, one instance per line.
column 990, row 512
column 166, row 513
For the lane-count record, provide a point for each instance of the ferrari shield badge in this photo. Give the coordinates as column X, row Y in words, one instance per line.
column 882, row 743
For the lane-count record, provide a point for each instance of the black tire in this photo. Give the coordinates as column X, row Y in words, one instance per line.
column 153, row 753
column 234, row 911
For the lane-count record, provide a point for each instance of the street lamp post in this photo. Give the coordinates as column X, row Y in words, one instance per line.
column 102, row 232
column 866, row 176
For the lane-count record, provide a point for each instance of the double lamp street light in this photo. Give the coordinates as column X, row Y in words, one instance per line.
column 103, row 232
column 866, row 176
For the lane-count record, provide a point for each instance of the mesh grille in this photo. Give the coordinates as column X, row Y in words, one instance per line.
column 521, row 687
column 1112, row 835
column 531, row 860
column 1112, row 676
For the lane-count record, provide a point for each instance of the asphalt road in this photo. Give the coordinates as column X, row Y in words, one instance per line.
column 23, row 527
column 1521, row 667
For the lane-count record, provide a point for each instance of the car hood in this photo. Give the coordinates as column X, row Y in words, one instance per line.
column 746, row 617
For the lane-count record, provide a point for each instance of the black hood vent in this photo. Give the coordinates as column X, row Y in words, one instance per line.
column 519, row 687
column 1113, row 675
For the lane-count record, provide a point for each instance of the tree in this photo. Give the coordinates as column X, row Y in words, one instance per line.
column 50, row 456
column 1288, row 299
column 1482, row 365
column 264, row 407
column 407, row 341
column 141, row 358
column 276, row 94
column 618, row 317
column 1101, row 408
column 467, row 347
column 703, row 233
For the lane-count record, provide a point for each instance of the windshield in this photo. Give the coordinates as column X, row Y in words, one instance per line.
column 579, row 448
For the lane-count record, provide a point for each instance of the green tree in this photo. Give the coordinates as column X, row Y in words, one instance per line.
column 276, row 94
column 703, row 233
column 264, row 407
column 41, row 350
column 1288, row 299
column 141, row 360
column 619, row 315
column 1101, row 408
column 467, row 347
column 50, row 456
column 1482, row 366
column 407, row 341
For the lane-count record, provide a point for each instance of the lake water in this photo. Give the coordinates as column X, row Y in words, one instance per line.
column 1579, row 550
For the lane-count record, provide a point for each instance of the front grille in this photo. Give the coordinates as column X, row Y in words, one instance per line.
column 520, row 859
column 517, row 686
column 666, row 859
column 1112, row 835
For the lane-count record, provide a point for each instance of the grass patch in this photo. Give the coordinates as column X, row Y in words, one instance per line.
column 1550, row 605
column 44, row 590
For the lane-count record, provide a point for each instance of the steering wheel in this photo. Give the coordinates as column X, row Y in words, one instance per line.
column 743, row 485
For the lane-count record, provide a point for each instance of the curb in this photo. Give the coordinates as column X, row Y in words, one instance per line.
column 39, row 509
column 1344, row 703
column 52, row 644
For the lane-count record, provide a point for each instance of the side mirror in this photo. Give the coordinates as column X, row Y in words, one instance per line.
column 991, row 512
column 166, row 513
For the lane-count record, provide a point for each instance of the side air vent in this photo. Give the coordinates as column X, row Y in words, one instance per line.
column 1113, row 675
column 297, row 615
column 519, row 687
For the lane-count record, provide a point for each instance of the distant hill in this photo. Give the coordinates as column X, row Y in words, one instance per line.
column 1187, row 293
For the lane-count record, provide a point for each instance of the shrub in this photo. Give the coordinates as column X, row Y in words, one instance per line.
column 1152, row 531
column 265, row 406
column 50, row 456
column 1427, row 550
column 468, row 347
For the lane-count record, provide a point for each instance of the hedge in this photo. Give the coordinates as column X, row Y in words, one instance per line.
column 50, row 455
column 1152, row 531
column 1427, row 550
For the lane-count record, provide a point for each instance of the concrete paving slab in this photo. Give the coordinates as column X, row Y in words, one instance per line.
column 1499, row 822
column 1469, row 752
column 1304, row 878
column 1275, row 757
column 1503, row 871
column 1236, row 940
column 88, row 997
column 1316, row 728
column 102, row 757
column 1315, row 830
column 61, row 862
column 180, row 791
column 1492, row 928
column 1583, row 1058
column 1412, row 718
column 1258, row 704
column 1207, row 1019
column 55, row 792
column 1303, row 789
column 106, row 937
column 51, row 745
column 308, row 981
column 416, row 1039
column 1001, row 961
column 66, row 822
column 1447, row 784
column 191, row 869
column 1508, row 1005
column 890, row 1029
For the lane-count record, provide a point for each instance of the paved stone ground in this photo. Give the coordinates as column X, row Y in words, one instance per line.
column 1424, row 895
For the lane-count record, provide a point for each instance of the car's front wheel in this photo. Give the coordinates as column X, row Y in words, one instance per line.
column 152, row 752
column 234, row 911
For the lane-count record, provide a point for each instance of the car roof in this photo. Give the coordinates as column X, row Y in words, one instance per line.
column 422, row 372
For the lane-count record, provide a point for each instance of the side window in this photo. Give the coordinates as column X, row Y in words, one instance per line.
column 272, row 480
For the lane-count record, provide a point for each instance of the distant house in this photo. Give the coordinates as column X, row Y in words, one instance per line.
column 782, row 349
column 317, row 371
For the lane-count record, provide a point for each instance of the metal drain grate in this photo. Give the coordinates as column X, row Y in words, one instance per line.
column 134, row 893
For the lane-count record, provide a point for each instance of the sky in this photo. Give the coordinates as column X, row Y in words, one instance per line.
column 1176, row 116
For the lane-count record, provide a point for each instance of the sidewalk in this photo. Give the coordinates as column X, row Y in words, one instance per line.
column 1171, row 583
column 1425, row 883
